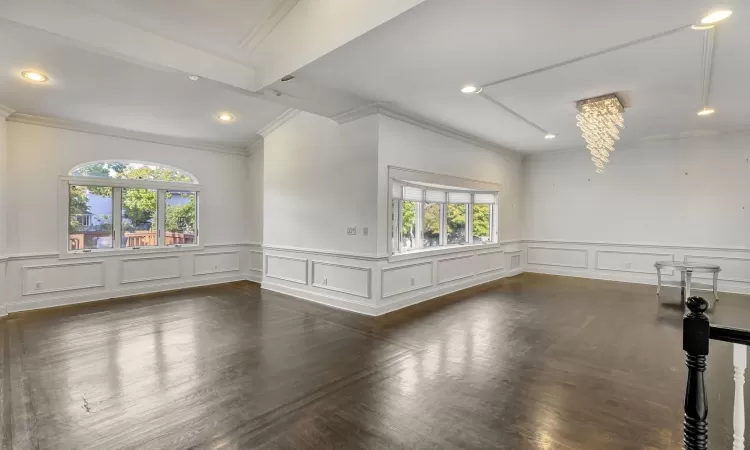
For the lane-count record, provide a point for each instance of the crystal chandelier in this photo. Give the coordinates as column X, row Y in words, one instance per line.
column 599, row 119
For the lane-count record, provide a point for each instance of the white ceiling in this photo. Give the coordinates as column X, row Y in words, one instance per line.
column 419, row 60
column 217, row 26
column 91, row 87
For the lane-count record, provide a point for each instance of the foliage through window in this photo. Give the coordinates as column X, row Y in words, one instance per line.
column 425, row 216
column 126, row 205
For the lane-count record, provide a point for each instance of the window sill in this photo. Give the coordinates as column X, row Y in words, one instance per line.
column 128, row 251
column 428, row 252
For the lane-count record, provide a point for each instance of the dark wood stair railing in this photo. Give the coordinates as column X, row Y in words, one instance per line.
column 696, row 334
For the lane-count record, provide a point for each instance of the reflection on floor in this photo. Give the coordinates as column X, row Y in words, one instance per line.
column 537, row 362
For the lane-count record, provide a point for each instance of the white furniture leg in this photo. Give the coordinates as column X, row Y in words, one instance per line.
column 716, row 286
column 658, row 280
column 740, row 364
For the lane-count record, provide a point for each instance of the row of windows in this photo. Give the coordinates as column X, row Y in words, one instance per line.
column 97, row 215
column 429, row 217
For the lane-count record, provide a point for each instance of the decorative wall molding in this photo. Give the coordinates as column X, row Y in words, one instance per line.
column 251, row 267
column 418, row 121
column 415, row 287
column 687, row 258
column 255, row 145
column 351, row 255
column 260, row 31
column 124, row 261
column 223, row 270
column 281, row 277
column 461, row 276
column 323, row 299
column 667, row 257
column 285, row 117
column 366, row 293
column 585, row 265
column 25, row 271
column 5, row 111
column 637, row 244
column 486, row 253
column 103, row 130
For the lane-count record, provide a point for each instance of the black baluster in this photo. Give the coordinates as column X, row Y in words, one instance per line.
column 695, row 336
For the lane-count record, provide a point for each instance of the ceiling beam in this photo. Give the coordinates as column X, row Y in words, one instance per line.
column 94, row 32
column 314, row 28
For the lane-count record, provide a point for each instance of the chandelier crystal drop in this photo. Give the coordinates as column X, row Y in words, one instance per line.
column 600, row 120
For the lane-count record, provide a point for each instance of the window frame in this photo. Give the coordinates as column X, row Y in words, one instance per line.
column 117, row 185
column 396, row 227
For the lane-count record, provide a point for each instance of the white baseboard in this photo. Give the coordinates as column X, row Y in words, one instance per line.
column 440, row 290
column 327, row 300
column 117, row 293
column 424, row 295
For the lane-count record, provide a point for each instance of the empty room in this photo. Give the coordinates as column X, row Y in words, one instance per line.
column 371, row 224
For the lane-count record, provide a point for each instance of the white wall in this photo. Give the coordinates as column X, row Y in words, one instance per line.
column 3, row 183
column 37, row 156
column 254, row 196
column 320, row 178
column 411, row 147
column 682, row 199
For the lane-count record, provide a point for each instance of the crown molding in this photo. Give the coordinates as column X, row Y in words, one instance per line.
column 260, row 31
column 256, row 145
column 103, row 130
column 279, row 121
column 5, row 111
column 418, row 121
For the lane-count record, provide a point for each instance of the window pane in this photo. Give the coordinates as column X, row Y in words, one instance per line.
column 180, row 218
column 482, row 224
column 139, row 218
column 431, row 225
column 456, row 223
column 132, row 171
column 409, row 225
column 89, row 218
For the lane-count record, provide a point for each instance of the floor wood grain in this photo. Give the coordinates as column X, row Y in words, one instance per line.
column 530, row 362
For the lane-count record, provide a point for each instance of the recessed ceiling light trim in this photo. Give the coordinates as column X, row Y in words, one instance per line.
column 702, row 27
column 716, row 16
column 34, row 76
column 706, row 111
column 226, row 117
column 471, row 89
column 550, row 136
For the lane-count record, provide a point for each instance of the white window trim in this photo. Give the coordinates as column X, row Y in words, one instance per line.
column 419, row 251
column 160, row 186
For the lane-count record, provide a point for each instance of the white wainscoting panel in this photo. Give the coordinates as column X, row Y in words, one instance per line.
column 149, row 268
column 456, row 268
column 733, row 268
column 216, row 262
column 341, row 278
column 255, row 260
column 561, row 257
column 286, row 268
column 515, row 260
column 490, row 261
column 401, row 279
column 62, row 277
column 627, row 261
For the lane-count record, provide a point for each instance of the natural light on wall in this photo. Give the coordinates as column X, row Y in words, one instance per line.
column 426, row 216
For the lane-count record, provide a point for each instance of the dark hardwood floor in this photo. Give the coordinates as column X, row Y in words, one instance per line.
column 530, row 362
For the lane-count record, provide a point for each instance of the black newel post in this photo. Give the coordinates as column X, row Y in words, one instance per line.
column 695, row 336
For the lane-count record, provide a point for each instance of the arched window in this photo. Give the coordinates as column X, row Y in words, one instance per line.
column 130, row 170
column 128, row 205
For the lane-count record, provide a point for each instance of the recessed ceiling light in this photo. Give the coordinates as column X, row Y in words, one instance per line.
column 194, row 77
column 716, row 16
column 706, row 111
column 702, row 27
column 226, row 117
column 471, row 89
column 550, row 136
column 34, row 76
